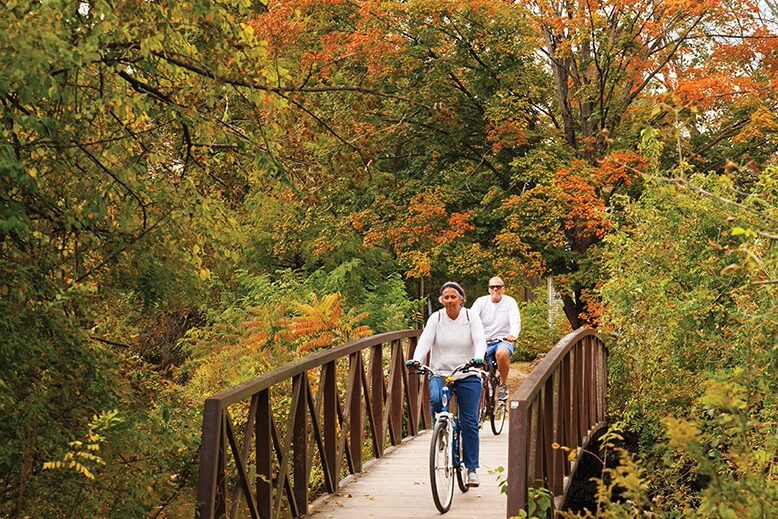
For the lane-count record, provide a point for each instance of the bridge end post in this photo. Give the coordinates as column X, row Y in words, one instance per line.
column 518, row 427
column 210, row 454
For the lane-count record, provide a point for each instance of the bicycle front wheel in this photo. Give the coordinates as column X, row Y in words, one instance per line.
column 461, row 471
column 441, row 467
column 483, row 405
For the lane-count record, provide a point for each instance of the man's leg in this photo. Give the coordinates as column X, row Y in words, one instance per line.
column 490, row 349
column 503, row 355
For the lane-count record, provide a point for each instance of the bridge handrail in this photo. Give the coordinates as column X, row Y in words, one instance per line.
column 323, row 423
column 290, row 369
column 563, row 401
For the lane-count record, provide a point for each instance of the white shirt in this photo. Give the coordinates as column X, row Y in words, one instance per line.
column 451, row 342
column 501, row 319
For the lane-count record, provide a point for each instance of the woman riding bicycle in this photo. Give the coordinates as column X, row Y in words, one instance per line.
column 454, row 336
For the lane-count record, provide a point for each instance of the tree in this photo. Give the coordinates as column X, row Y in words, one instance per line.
column 620, row 67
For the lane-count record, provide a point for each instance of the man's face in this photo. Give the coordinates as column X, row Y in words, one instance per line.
column 496, row 288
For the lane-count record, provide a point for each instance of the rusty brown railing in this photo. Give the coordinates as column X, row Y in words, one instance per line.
column 337, row 403
column 563, row 401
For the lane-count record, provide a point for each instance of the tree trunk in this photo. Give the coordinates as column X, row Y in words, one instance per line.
column 573, row 309
column 561, row 78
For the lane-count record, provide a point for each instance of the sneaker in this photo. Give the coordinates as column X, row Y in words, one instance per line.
column 502, row 392
column 472, row 478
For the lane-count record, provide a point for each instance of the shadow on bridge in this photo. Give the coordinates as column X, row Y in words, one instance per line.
column 273, row 444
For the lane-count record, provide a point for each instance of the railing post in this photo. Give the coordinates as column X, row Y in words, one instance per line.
column 396, row 397
column 263, row 451
column 331, row 421
column 413, row 396
column 518, row 432
column 300, row 443
column 220, row 504
column 547, row 416
column 355, row 412
column 377, row 394
column 604, row 380
column 589, row 377
column 557, row 456
column 575, row 383
column 566, row 413
column 210, row 447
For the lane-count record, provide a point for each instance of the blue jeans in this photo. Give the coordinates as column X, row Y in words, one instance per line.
column 491, row 349
column 468, row 398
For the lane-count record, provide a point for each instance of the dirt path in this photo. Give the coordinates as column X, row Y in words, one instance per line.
column 519, row 371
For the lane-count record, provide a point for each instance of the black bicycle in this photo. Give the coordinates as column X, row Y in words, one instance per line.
column 491, row 406
column 446, row 458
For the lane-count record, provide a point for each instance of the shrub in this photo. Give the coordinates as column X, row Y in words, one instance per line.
column 537, row 335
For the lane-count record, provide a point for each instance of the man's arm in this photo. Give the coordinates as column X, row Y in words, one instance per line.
column 478, row 336
column 514, row 318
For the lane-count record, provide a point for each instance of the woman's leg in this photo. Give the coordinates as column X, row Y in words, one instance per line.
column 436, row 383
column 468, row 398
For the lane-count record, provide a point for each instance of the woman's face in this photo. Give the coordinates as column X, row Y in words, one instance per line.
column 451, row 300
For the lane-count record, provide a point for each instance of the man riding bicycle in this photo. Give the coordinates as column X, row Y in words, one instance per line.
column 454, row 336
column 501, row 320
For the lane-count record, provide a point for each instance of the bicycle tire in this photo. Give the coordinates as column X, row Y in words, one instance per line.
column 497, row 417
column 483, row 404
column 460, row 468
column 441, row 467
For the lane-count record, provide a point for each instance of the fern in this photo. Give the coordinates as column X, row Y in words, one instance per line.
column 323, row 323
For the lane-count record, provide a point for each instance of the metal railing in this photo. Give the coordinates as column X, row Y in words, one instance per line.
column 334, row 409
column 563, row 401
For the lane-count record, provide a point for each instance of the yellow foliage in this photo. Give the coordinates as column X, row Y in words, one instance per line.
column 99, row 423
column 680, row 432
column 322, row 323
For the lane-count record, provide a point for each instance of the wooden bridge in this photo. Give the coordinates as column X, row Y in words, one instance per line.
column 305, row 439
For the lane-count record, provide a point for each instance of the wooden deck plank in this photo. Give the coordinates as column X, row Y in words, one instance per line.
column 397, row 486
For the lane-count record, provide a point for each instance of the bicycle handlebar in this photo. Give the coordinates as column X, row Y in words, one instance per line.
column 422, row 369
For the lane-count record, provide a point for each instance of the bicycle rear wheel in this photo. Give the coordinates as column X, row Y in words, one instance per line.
column 497, row 416
column 441, row 467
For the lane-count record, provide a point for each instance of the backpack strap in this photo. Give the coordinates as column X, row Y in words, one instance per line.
column 467, row 314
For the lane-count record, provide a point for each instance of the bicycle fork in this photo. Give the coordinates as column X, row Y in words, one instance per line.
column 448, row 416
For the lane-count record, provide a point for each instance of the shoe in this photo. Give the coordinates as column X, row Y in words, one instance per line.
column 502, row 392
column 472, row 479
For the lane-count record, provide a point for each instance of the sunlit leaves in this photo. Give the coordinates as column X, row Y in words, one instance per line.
column 85, row 455
column 322, row 323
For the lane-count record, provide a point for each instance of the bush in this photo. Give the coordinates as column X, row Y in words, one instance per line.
column 537, row 335
column 691, row 299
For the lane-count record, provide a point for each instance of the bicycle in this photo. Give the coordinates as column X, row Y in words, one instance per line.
column 491, row 406
column 446, row 457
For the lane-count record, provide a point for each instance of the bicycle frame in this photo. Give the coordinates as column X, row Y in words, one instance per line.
column 451, row 421
column 445, row 413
